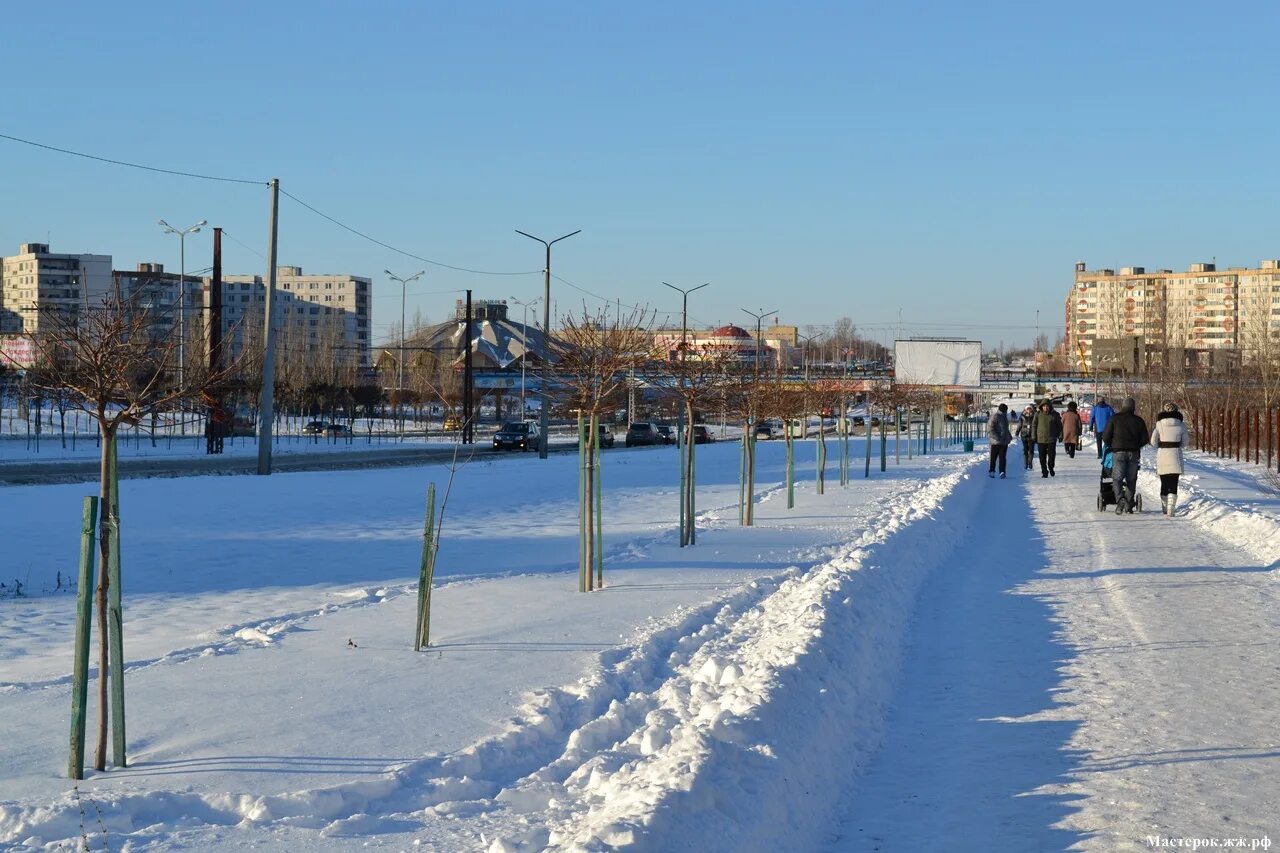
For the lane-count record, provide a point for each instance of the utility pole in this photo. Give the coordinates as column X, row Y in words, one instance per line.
column 544, row 417
column 759, row 315
column 468, row 428
column 266, row 398
column 215, row 420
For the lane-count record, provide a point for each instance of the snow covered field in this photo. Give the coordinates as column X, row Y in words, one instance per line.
column 247, row 702
column 926, row 659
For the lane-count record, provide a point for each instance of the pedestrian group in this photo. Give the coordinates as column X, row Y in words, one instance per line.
column 1119, row 436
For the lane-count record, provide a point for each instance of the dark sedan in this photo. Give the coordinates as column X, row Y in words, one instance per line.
column 642, row 434
column 516, row 435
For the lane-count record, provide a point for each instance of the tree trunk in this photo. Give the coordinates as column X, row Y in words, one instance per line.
column 104, row 583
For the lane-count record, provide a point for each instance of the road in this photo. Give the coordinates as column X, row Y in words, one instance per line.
column 86, row 470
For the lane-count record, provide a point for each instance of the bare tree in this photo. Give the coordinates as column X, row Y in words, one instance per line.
column 695, row 380
column 115, row 364
column 599, row 351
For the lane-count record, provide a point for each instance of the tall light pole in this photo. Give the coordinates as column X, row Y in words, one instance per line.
column 182, row 288
column 759, row 315
column 404, row 285
column 684, row 313
column 544, row 417
column 524, row 344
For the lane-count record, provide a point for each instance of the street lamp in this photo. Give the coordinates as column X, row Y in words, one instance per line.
column 404, row 284
column 759, row 315
column 524, row 344
column 684, row 313
column 544, row 418
column 182, row 287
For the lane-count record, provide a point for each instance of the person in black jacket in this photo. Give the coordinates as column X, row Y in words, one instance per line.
column 1126, row 434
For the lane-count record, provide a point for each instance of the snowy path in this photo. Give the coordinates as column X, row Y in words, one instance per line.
column 1077, row 680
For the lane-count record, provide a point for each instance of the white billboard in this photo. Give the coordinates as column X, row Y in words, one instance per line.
column 953, row 363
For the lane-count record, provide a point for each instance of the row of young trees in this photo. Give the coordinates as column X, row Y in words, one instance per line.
column 113, row 364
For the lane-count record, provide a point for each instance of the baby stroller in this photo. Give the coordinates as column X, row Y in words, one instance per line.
column 1107, row 485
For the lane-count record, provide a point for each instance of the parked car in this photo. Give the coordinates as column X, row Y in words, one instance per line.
column 452, row 423
column 667, row 435
column 241, row 426
column 315, row 428
column 768, row 429
column 702, row 435
column 521, row 435
column 606, row 435
column 642, row 434
column 338, row 429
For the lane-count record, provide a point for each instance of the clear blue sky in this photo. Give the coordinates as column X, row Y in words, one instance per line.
column 949, row 159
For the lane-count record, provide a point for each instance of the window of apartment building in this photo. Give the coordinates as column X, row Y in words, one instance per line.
column 328, row 297
column 312, row 286
column 342, row 298
column 286, row 285
column 328, row 285
column 315, row 309
column 313, row 322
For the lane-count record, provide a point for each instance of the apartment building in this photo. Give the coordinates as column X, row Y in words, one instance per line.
column 1202, row 310
column 36, row 282
column 315, row 313
column 149, row 288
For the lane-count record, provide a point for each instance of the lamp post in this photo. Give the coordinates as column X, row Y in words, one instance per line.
column 182, row 288
column 684, row 313
column 524, row 344
column 404, row 285
column 544, row 416
column 759, row 315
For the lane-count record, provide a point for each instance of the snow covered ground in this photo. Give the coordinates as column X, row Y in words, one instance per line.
column 926, row 659
column 1085, row 681
column 253, row 719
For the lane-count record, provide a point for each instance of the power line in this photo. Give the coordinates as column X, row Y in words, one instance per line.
column 130, row 165
column 226, row 233
column 378, row 242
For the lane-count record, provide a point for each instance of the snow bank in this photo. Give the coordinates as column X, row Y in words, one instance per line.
column 1251, row 528
column 750, row 738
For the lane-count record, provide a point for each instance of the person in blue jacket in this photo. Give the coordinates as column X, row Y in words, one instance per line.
column 1098, row 421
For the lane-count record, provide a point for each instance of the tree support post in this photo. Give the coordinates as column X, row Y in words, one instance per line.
column 84, row 624
column 115, row 615
column 426, row 569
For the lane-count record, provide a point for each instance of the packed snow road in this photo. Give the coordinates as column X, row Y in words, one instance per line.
column 1078, row 680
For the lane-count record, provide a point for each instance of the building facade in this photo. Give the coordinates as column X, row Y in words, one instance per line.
column 314, row 313
column 736, row 341
column 152, row 290
column 37, row 282
column 1203, row 311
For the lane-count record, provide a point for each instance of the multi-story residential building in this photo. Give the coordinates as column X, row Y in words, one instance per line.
column 315, row 313
column 1201, row 310
column 36, row 282
column 149, row 288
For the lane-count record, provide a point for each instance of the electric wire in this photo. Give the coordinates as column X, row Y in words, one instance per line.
column 131, row 165
column 399, row 251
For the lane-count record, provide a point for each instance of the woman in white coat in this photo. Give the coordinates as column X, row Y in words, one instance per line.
column 1169, row 437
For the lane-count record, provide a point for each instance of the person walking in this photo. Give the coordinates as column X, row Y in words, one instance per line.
column 1025, row 436
column 1098, row 418
column 1046, row 428
column 1126, row 434
column 1071, row 429
column 998, row 436
column 1169, row 436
